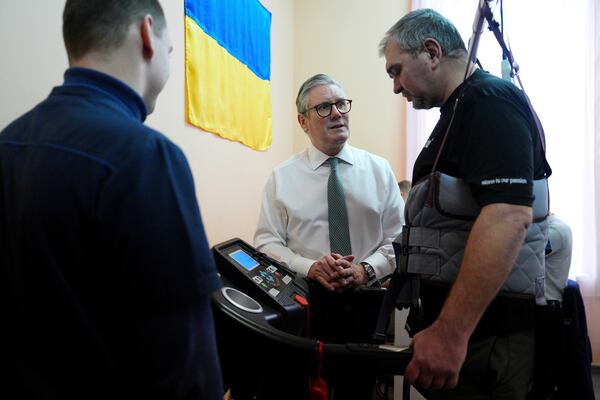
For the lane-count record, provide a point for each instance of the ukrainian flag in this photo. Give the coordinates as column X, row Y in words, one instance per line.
column 228, row 69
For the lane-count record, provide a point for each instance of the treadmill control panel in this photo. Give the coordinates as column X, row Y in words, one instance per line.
column 262, row 278
column 268, row 277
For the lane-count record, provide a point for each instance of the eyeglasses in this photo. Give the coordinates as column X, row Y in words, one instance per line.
column 324, row 109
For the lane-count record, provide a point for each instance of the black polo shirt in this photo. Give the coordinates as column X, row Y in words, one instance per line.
column 493, row 144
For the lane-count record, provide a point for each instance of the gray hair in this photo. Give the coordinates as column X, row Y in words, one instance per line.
column 411, row 31
column 314, row 81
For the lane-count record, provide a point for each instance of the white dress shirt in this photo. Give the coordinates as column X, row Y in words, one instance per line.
column 293, row 227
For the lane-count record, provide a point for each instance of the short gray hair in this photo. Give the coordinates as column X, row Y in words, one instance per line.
column 313, row 81
column 411, row 31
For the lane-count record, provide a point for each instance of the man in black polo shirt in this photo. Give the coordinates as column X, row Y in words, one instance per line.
column 470, row 212
column 105, row 272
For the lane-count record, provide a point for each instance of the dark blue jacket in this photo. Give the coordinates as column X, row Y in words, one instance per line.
column 105, row 271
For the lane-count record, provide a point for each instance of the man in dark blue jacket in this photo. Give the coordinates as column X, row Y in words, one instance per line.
column 105, row 271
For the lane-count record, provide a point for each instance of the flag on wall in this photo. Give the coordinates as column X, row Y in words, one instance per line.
column 228, row 69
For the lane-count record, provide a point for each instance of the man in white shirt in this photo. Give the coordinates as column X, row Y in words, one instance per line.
column 293, row 227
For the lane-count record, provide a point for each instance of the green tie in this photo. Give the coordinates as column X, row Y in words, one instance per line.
column 339, row 233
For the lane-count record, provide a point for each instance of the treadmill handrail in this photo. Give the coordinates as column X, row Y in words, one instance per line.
column 387, row 358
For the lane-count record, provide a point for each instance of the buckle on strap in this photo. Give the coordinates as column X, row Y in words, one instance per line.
column 401, row 249
column 413, row 237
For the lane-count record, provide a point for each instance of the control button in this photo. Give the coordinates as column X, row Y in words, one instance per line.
column 271, row 269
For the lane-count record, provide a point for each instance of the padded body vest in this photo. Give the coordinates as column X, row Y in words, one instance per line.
column 440, row 212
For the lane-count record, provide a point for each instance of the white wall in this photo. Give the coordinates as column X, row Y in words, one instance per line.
column 33, row 55
column 229, row 176
column 341, row 38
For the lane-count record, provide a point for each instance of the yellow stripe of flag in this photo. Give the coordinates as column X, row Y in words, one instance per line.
column 236, row 104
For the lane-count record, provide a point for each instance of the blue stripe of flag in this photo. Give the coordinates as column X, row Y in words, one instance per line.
column 242, row 27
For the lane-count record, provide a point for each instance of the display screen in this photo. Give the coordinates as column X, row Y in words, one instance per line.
column 266, row 276
column 244, row 259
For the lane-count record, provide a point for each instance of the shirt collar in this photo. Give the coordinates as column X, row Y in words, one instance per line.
column 90, row 79
column 450, row 101
column 316, row 158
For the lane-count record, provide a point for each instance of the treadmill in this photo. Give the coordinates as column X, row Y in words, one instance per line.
column 261, row 321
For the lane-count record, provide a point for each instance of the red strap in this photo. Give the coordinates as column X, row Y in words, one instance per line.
column 318, row 386
column 318, row 390
column 304, row 304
